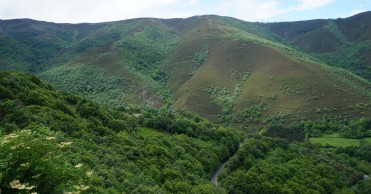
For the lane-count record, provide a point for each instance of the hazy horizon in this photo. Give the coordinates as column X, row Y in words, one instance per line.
column 85, row 11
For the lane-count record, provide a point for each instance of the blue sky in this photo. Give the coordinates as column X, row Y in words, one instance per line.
column 77, row 11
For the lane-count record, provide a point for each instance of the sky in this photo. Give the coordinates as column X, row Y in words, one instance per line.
column 94, row 11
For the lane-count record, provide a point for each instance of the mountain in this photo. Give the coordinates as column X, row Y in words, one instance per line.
column 57, row 142
column 217, row 67
column 339, row 42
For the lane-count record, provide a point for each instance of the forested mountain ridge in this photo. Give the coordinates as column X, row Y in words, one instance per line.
column 210, row 65
column 56, row 142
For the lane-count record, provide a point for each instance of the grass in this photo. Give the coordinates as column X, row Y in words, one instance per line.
column 309, row 82
column 337, row 141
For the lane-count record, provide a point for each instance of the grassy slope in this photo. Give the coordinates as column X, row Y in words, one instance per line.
column 342, row 42
column 112, row 63
column 199, row 64
column 300, row 85
column 338, row 142
column 221, row 60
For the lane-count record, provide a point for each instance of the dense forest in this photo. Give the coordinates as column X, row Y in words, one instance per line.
column 54, row 142
column 57, row 142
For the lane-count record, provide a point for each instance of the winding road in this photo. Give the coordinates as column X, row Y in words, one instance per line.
column 214, row 176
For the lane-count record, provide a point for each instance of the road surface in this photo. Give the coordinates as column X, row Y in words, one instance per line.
column 214, row 176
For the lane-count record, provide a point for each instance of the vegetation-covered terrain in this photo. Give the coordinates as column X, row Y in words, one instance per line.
column 209, row 65
column 339, row 42
column 57, row 142
column 264, row 165
column 53, row 142
column 163, row 106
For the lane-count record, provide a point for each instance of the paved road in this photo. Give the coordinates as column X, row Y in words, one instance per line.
column 214, row 176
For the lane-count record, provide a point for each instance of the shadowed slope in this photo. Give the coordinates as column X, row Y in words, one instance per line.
column 343, row 43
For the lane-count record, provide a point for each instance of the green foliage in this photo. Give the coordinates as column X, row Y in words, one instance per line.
column 265, row 165
column 356, row 128
column 251, row 28
column 347, row 56
column 222, row 97
column 80, row 146
column 91, row 82
column 198, row 59
column 27, row 48
column 160, row 76
column 142, row 150
column 109, row 153
column 332, row 27
column 363, row 187
column 91, row 59
column 201, row 57
column 154, row 44
column 36, row 158
column 145, row 53
column 251, row 115
column 363, row 151
column 292, row 133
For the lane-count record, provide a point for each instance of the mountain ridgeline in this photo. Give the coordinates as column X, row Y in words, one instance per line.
column 209, row 65
column 340, row 42
column 206, row 104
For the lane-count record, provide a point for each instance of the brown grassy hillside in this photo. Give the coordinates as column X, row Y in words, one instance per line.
column 290, row 85
column 209, row 65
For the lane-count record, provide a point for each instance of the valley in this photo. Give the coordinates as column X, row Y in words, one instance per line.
column 205, row 104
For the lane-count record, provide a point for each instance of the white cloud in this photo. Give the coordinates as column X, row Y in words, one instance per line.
column 75, row 11
column 192, row 2
column 351, row 13
column 312, row 4
column 252, row 10
column 258, row 10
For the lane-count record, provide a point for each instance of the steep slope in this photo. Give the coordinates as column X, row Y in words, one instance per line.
column 241, row 70
column 210, row 65
column 341, row 42
column 55, row 142
column 113, row 63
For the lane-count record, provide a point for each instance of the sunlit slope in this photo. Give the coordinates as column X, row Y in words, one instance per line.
column 209, row 65
column 241, row 70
